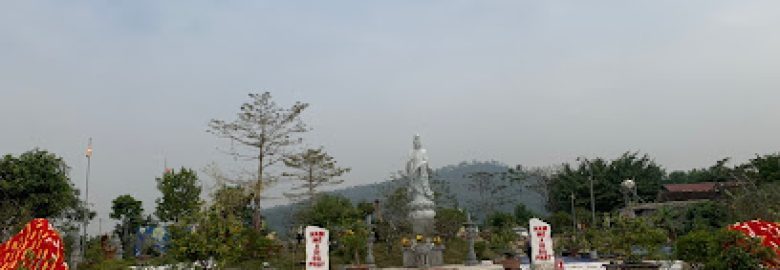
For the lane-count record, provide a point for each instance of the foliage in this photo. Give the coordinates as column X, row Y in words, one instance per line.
column 483, row 251
column 607, row 177
column 561, row 221
column 37, row 181
column 442, row 194
column 315, row 169
column 352, row 240
column 498, row 232
column 572, row 242
column 670, row 220
column 221, row 231
column 722, row 249
column 500, row 220
column 448, row 222
column 345, row 222
column 705, row 216
column 695, row 247
column 211, row 235
column 522, row 215
column 180, row 195
column 754, row 202
column 256, row 245
column 491, row 190
column 540, row 180
column 330, row 211
column 678, row 221
column 719, row 172
column 95, row 258
column 267, row 131
column 365, row 208
column 33, row 182
column 763, row 169
column 233, row 201
column 129, row 212
column 36, row 184
column 394, row 218
column 627, row 236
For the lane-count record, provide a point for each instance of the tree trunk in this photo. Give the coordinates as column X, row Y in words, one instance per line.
column 311, row 186
column 257, row 218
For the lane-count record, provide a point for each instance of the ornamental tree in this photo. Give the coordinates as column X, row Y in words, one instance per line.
column 266, row 132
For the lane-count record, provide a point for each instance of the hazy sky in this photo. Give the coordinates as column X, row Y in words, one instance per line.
column 522, row 82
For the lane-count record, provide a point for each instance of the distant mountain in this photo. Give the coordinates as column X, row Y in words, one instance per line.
column 453, row 177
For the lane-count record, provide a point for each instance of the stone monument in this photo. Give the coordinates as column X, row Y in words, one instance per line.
column 422, row 252
column 542, row 254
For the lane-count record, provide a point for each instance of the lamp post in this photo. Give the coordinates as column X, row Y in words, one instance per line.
column 86, row 201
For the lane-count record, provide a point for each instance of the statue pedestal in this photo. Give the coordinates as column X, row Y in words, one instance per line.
column 423, row 255
column 437, row 255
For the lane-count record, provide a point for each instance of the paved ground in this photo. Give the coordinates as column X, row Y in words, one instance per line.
column 456, row 267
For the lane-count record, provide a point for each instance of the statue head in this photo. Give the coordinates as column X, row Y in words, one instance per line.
column 416, row 144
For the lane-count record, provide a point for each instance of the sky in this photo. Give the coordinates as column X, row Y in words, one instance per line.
column 536, row 83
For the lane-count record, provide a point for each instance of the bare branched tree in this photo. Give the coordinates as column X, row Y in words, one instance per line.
column 267, row 132
column 490, row 188
column 314, row 168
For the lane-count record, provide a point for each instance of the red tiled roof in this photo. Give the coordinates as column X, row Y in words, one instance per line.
column 695, row 187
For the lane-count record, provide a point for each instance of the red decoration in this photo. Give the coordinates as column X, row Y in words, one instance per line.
column 37, row 246
column 559, row 264
column 767, row 232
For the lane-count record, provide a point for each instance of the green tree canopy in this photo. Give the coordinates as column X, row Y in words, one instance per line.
column 721, row 250
column 214, row 235
column 720, row 172
column 500, row 221
column 607, row 177
column 763, row 169
column 330, row 211
column 36, row 184
column 180, row 195
column 234, row 201
column 129, row 212
column 448, row 222
column 126, row 208
column 522, row 215
column 37, row 181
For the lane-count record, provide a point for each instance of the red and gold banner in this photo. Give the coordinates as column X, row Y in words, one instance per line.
column 37, row 246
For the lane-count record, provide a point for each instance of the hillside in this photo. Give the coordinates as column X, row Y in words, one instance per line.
column 452, row 176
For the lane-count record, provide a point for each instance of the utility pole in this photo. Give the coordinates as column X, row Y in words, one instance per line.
column 573, row 215
column 592, row 201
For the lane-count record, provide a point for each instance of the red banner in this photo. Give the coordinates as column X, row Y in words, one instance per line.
column 767, row 232
column 37, row 246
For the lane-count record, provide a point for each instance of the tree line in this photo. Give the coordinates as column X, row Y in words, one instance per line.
column 230, row 228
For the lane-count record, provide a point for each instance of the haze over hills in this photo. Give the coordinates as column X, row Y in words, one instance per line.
column 452, row 177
